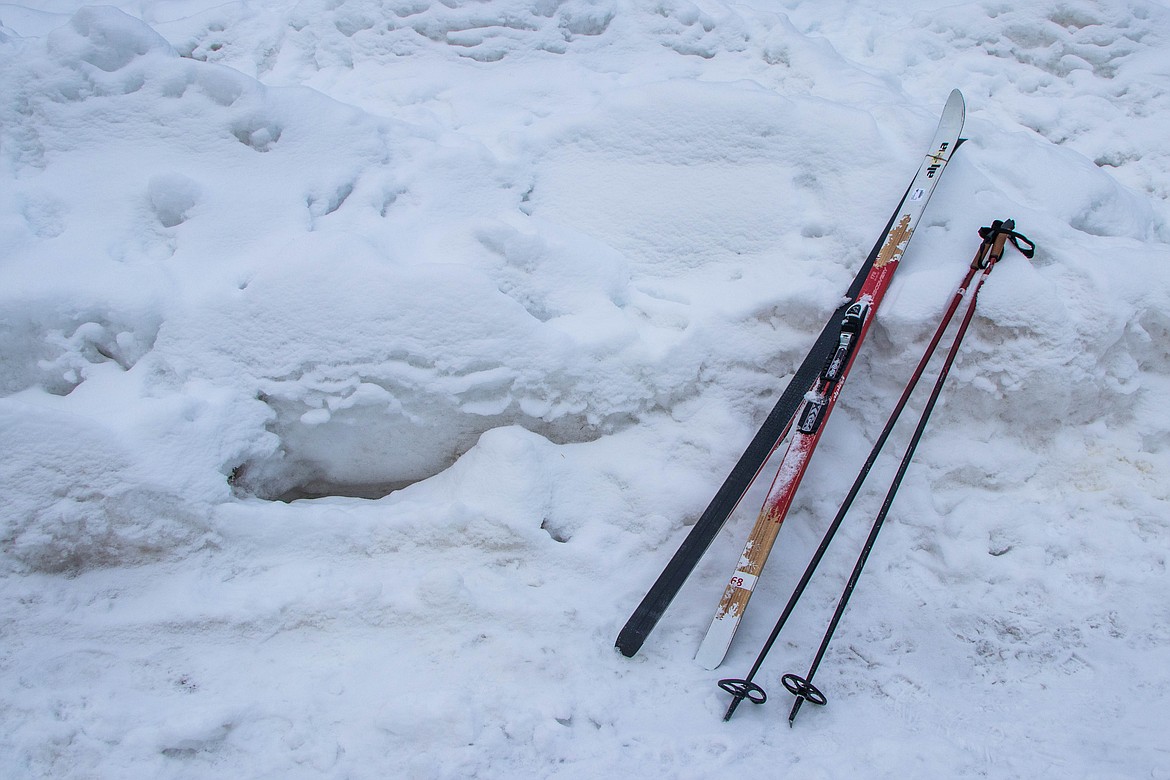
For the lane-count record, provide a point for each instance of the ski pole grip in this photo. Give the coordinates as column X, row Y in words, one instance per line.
column 995, row 237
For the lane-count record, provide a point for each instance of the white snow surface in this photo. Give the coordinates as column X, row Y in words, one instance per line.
column 363, row 362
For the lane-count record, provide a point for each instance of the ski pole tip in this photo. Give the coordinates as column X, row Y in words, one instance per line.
column 795, row 709
column 731, row 709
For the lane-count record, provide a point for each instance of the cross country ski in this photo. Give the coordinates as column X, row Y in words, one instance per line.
column 807, row 401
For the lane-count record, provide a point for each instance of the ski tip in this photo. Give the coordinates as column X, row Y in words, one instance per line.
column 956, row 102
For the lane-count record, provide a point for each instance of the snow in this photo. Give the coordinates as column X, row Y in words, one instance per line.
column 365, row 360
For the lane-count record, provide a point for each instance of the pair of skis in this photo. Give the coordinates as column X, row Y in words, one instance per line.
column 802, row 409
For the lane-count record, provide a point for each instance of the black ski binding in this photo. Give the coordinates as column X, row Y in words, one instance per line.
column 850, row 327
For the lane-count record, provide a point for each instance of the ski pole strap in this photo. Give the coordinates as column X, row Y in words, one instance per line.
column 996, row 234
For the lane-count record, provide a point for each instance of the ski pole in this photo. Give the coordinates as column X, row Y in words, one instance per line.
column 998, row 234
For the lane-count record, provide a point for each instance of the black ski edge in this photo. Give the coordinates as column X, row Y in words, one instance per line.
column 647, row 614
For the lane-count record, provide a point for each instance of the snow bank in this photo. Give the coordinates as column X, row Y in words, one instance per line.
column 505, row 288
column 73, row 499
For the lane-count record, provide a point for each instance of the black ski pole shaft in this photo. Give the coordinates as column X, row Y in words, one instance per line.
column 997, row 235
column 745, row 688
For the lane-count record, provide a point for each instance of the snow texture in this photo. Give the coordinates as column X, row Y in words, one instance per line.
column 365, row 360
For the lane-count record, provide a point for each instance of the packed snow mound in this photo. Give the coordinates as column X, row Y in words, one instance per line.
column 467, row 316
column 105, row 38
column 75, row 500
column 321, row 35
column 375, row 387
